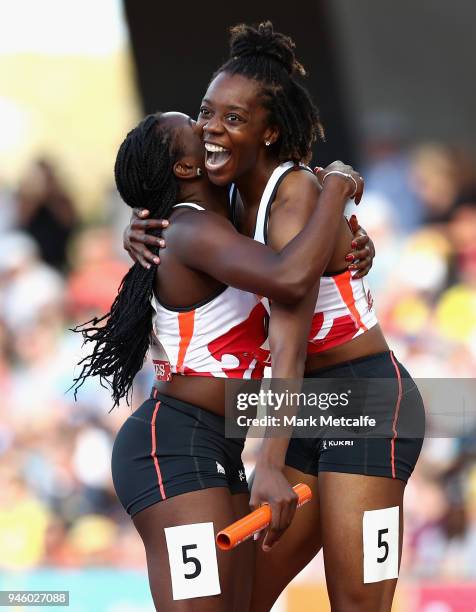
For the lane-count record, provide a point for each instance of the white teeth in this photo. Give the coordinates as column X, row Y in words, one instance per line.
column 213, row 148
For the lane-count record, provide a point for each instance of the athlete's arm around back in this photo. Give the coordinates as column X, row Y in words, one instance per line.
column 208, row 242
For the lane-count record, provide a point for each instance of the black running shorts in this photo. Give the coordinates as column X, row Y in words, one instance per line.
column 168, row 447
column 392, row 455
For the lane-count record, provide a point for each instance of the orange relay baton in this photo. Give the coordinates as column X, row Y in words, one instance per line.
column 257, row 520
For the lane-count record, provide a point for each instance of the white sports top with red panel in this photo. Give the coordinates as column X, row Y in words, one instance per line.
column 344, row 307
column 224, row 336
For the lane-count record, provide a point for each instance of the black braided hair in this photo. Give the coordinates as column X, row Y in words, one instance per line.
column 268, row 57
column 144, row 178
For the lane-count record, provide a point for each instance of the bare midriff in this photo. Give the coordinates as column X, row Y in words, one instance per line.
column 368, row 343
column 209, row 393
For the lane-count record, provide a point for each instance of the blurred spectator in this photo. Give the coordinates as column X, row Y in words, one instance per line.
column 437, row 181
column 462, row 233
column 96, row 274
column 58, row 549
column 117, row 216
column 23, row 522
column 92, row 539
column 46, row 212
column 29, row 288
column 5, row 388
column 8, row 209
column 455, row 314
column 388, row 167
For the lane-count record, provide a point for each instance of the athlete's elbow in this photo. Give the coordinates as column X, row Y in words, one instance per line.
column 293, row 289
column 300, row 287
column 296, row 294
column 307, row 278
column 303, row 286
column 295, row 284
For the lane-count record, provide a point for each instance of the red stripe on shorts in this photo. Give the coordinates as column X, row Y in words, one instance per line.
column 395, row 416
column 154, row 448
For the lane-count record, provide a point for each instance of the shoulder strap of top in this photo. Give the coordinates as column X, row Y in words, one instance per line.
column 261, row 217
column 189, row 205
column 232, row 197
column 268, row 197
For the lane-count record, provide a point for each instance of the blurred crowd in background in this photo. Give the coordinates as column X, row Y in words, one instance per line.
column 57, row 269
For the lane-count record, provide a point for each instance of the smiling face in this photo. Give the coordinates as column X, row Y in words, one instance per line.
column 235, row 128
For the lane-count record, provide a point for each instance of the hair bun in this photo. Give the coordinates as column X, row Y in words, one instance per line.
column 247, row 40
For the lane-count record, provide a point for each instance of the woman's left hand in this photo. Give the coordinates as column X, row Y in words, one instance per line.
column 363, row 250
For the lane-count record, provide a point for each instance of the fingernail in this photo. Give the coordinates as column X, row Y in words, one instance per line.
column 156, row 260
column 161, row 242
column 143, row 213
column 353, row 244
column 352, row 267
column 266, row 548
column 165, row 223
column 349, row 258
column 148, row 266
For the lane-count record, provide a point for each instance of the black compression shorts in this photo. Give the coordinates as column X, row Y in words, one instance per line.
column 393, row 454
column 168, row 447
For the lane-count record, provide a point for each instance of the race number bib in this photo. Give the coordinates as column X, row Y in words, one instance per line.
column 380, row 539
column 193, row 560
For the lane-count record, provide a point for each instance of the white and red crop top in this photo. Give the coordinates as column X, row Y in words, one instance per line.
column 224, row 336
column 344, row 307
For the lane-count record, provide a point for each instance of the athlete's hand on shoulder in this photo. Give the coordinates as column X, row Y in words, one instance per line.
column 345, row 173
column 271, row 486
column 363, row 250
column 136, row 237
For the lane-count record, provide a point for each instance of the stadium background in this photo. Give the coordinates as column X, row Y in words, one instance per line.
column 396, row 88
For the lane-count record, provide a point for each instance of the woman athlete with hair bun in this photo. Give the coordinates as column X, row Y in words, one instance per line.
column 258, row 126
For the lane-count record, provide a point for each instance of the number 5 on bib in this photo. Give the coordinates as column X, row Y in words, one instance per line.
column 192, row 560
column 380, row 542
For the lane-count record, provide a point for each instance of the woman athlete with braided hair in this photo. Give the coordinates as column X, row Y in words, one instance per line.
column 257, row 123
column 174, row 471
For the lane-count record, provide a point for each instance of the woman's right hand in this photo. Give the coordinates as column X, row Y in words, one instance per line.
column 136, row 238
column 356, row 188
column 271, row 487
